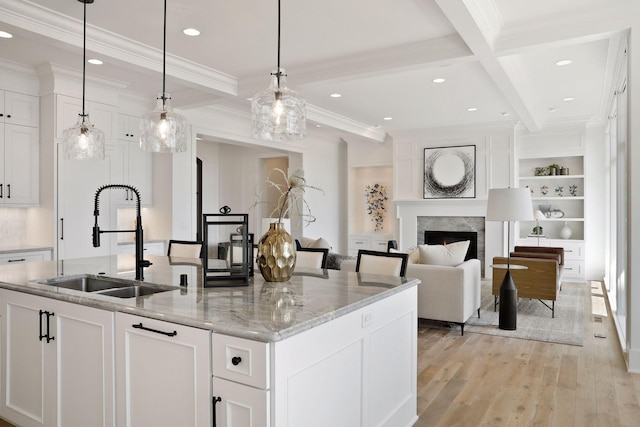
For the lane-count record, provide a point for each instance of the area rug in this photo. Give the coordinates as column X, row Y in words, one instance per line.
column 534, row 321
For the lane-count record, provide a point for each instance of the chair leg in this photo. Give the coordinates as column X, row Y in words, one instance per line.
column 461, row 329
column 478, row 312
column 495, row 303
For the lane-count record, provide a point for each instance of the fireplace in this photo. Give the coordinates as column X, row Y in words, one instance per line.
column 443, row 237
column 455, row 224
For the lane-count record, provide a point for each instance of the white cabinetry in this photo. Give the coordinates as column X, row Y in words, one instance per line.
column 163, row 373
column 19, row 109
column 373, row 242
column 561, row 198
column 138, row 164
column 57, row 363
column 78, row 182
column 25, row 256
column 149, row 248
column 19, row 149
column 241, row 382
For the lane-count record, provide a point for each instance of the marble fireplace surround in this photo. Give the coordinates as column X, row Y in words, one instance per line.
column 415, row 216
column 453, row 223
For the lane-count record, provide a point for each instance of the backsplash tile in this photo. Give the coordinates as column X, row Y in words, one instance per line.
column 13, row 226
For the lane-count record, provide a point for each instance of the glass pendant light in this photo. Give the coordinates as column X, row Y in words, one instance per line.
column 83, row 141
column 163, row 130
column 278, row 113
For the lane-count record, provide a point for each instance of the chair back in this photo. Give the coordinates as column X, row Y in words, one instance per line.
column 388, row 264
column 185, row 249
column 312, row 257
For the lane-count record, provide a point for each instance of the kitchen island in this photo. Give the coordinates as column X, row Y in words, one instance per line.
column 326, row 348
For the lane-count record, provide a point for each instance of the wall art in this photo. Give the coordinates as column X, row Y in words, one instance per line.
column 450, row 172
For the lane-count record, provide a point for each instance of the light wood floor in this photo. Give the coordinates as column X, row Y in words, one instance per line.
column 482, row 380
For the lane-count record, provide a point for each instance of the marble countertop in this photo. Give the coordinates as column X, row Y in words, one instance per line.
column 24, row 248
column 262, row 311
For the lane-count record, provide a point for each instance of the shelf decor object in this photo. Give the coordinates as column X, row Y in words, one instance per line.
column 450, row 172
column 509, row 204
column 83, row 141
column 163, row 130
column 565, row 231
column 278, row 113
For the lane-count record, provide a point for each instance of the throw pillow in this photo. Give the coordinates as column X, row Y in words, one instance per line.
column 414, row 254
column 450, row 255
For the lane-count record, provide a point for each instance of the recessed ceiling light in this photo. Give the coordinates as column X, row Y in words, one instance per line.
column 318, row 126
column 95, row 61
column 191, row 32
column 568, row 99
column 564, row 62
column 387, row 118
column 472, row 109
column 439, row 80
column 335, row 95
column 5, row 35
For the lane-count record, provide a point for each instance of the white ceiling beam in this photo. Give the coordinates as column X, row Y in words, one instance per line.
column 49, row 24
column 479, row 25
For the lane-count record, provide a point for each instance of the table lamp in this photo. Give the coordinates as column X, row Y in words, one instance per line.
column 509, row 204
column 538, row 215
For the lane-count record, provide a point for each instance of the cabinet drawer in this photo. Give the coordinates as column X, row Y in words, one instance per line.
column 359, row 243
column 240, row 360
column 573, row 270
column 573, row 251
column 16, row 257
column 379, row 245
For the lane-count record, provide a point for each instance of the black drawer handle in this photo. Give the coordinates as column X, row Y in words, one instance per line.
column 41, row 335
column 49, row 337
column 169, row 334
column 17, row 260
column 236, row 360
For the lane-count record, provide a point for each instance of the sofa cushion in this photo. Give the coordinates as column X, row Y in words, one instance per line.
column 307, row 242
column 450, row 255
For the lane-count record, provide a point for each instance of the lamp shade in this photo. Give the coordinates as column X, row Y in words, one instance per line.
column 509, row 204
column 538, row 215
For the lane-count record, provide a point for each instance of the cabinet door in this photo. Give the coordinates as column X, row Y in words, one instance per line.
column 139, row 167
column 21, row 109
column 240, row 405
column 26, row 372
column 78, row 182
column 82, row 363
column 163, row 372
column 67, row 380
column 21, row 165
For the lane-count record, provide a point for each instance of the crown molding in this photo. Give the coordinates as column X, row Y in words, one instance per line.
column 337, row 121
column 51, row 24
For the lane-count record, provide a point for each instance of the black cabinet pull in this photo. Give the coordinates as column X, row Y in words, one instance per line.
column 61, row 228
column 1, row 190
column 41, row 336
column 49, row 337
column 216, row 399
column 236, row 360
column 17, row 260
column 8, row 191
column 8, row 116
column 1, row 115
column 169, row 334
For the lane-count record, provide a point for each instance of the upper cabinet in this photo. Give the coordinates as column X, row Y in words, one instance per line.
column 18, row 109
column 19, row 149
column 138, row 163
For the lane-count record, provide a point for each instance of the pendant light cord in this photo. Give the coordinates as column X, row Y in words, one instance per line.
column 164, row 55
column 84, row 57
column 278, row 69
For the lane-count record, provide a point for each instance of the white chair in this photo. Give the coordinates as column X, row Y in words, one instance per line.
column 384, row 263
column 184, row 249
column 312, row 257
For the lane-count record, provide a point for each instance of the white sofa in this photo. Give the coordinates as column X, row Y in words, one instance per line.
column 449, row 294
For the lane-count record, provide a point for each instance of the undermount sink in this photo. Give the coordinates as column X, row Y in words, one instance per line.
column 120, row 288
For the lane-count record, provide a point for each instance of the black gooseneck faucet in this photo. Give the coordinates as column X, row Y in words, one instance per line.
column 140, row 261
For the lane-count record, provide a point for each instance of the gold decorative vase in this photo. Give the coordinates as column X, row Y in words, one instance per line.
column 276, row 254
